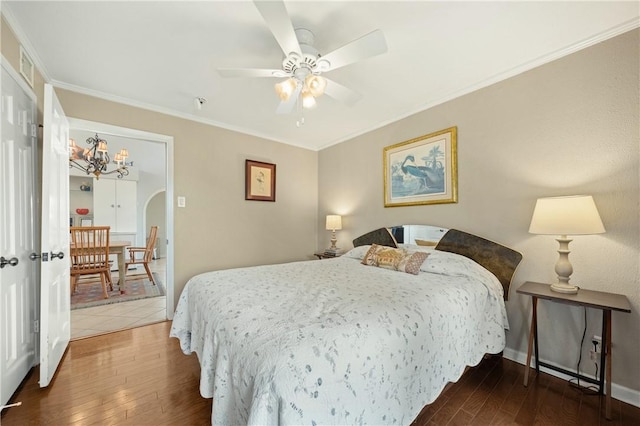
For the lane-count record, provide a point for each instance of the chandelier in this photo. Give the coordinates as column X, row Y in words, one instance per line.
column 95, row 158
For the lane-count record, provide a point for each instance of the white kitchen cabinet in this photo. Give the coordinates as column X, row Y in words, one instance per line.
column 115, row 204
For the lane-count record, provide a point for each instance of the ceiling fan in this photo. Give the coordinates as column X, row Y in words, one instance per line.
column 303, row 65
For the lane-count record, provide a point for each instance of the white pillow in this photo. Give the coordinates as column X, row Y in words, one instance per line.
column 415, row 247
column 357, row 252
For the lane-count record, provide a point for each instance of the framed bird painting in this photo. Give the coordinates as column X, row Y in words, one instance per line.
column 260, row 181
column 423, row 170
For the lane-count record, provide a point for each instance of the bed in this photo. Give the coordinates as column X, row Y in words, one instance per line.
column 341, row 342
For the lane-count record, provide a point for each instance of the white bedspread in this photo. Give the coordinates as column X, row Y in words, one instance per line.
column 335, row 341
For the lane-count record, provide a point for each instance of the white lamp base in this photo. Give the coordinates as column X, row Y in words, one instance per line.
column 564, row 268
column 564, row 288
column 334, row 240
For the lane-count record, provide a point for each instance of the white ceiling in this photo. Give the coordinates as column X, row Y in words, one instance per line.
column 160, row 55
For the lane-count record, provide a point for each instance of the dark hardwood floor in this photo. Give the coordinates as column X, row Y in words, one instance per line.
column 140, row 377
column 492, row 393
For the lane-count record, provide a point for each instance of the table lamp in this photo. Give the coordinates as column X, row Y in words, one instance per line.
column 570, row 215
column 334, row 222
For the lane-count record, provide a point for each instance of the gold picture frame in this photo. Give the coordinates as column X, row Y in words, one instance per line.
column 423, row 170
column 260, row 181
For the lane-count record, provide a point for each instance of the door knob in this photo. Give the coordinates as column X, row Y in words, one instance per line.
column 34, row 256
column 59, row 255
column 11, row 262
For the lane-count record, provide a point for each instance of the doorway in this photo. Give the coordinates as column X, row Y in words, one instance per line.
column 129, row 314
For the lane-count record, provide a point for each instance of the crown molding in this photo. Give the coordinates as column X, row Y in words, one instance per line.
column 167, row 111
column 573, row 48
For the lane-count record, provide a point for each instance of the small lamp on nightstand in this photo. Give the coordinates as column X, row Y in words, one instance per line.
column 571, row 215
column 334, row 223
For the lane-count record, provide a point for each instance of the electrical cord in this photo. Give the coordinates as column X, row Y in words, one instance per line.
column 576, row 382
column 584, row 333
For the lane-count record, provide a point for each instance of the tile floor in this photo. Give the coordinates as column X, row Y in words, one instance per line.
column 119, row 316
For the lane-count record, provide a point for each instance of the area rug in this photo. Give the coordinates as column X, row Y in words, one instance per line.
column 88, row 295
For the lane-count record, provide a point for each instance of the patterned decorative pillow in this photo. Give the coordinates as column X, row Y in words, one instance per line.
column 395, row 259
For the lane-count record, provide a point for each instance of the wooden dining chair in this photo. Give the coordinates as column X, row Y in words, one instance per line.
column 90, row 255
column 147, row 254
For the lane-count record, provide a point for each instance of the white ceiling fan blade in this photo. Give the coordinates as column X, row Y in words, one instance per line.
column 339, row 92
column 275, row 15
column 364, row 47
column 251, row 72
column 286, row 107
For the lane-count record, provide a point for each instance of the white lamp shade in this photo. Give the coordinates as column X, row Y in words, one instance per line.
column 315, row 84
column 308, row 101
column 571, row 215
column 334, row 222
column 285, row 89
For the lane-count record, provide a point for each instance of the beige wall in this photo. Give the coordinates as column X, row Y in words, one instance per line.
column 218, row 229
column 568, row 127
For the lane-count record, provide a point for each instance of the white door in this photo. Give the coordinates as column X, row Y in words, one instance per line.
column 104, row 203
column 55, row 321
column 17, row 234
column 115, row 204
column 126, row 206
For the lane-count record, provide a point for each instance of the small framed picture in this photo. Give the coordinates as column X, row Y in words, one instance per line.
column 260, row 181
column 26, row 66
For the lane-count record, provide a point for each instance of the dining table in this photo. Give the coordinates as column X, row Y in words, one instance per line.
column 117, row 248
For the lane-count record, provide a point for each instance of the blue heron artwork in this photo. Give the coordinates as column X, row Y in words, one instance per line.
column 422, row 170
column 419, row 170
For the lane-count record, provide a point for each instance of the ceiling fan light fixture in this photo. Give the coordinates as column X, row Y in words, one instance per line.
column 308, row 101
column 315, row 84
column 285, row 89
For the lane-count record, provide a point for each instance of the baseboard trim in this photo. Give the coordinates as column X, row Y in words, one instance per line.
column 624, row 394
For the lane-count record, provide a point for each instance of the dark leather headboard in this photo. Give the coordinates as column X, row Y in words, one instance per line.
column 381, row 236
column 500, row 260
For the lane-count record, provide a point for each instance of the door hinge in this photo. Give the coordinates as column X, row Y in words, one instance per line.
column 45, row 257
column 36, row 326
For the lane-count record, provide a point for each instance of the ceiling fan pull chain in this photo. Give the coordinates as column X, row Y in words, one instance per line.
column 300, row 122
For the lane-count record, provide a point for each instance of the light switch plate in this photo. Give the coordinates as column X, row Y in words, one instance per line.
column 182, row 201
